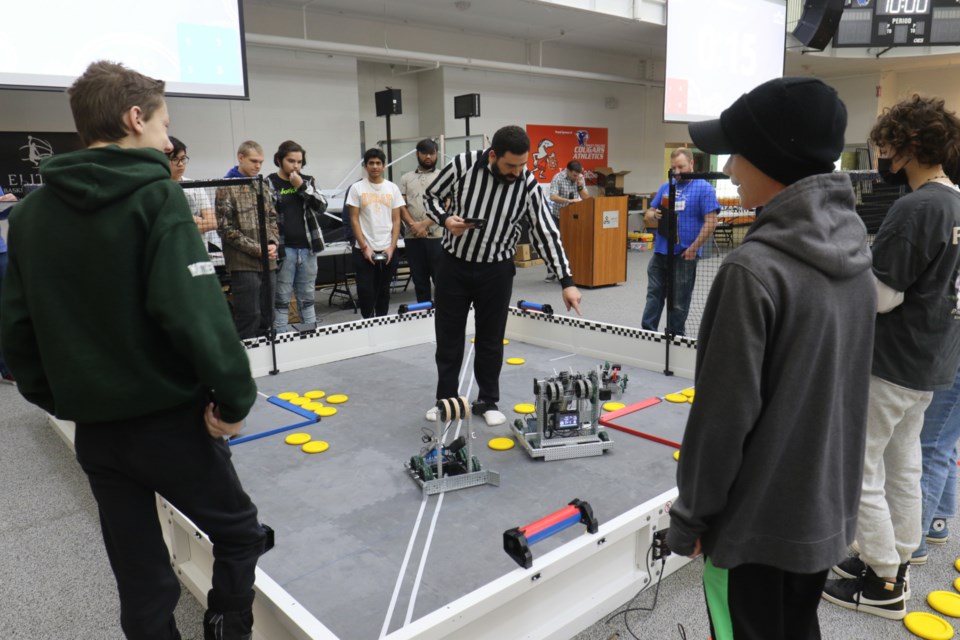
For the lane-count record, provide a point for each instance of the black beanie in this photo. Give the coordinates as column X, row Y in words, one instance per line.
column 789, row 128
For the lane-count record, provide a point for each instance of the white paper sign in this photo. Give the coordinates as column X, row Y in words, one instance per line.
column 611, row 219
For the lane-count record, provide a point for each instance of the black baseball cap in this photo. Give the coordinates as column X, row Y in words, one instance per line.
column 789, row 128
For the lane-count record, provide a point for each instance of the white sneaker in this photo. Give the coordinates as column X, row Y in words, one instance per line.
column 494, row 418
column 432, row 414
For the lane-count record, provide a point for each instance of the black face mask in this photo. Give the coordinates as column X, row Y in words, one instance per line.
column 895, row 178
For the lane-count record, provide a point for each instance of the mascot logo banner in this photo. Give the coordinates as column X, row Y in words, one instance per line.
column 552, row 147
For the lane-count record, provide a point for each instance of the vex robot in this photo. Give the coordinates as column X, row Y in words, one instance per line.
column 566, row 420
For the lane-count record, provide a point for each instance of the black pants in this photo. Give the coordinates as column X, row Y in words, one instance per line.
column 252, row 302
column 488, row 286
column 423, row 256
column 169, row 453
column 760, row 602
column 373, row 283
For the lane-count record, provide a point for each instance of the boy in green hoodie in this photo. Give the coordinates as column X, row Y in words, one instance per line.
column 147, row 363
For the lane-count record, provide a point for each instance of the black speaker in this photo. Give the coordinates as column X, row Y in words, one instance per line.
column 466, row 106
column 388, row 102
column 818, row 23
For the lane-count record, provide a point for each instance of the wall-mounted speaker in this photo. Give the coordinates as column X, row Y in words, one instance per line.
column 388, row 102
column 818, row 23
column 466, row 106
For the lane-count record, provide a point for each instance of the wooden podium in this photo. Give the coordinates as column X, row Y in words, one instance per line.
column 594, row 234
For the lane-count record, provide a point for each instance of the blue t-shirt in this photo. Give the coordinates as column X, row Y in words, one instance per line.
column 695, row 199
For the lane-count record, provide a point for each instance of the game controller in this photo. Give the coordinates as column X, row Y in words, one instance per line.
column 379, row 256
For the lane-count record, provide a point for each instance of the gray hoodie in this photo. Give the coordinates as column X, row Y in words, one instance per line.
column 772, row 459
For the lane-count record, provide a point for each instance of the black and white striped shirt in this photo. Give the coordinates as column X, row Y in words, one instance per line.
column 475, row 192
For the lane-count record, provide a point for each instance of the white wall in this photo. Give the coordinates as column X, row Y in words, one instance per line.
column 859, row 94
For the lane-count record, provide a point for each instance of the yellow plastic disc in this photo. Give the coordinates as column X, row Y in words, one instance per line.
column 675, row 397
column 337, row 399
column 676, row 455
column 515, row 360
column 299, row 401
column 524, row 408
column 687, row 392
column 506, row 342
column 288, row 395
column 926, row 625
column 326, row 412
column 613, row 406
column 317, row 446
column 473, row 339
column 297, row 438
column 956, row 584
column 946, row 602
column 312, row 406
column 956, row 564
column 316, row 394
column 500, row 444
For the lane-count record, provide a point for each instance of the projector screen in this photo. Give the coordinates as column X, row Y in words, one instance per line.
column 718, row 50
column 196, row 46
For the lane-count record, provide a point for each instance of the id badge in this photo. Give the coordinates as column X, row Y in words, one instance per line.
column 680, row 205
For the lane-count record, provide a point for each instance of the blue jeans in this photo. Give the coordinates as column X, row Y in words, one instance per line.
column 684, row 276
column 938, row 441
column 3, row 272
column 297, row 274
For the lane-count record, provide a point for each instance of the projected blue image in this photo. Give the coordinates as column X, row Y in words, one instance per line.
column 209, row 55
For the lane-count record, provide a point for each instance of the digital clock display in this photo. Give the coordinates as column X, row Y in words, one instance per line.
column 903, row 7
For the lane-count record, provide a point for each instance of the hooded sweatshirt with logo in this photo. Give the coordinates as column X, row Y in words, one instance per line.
column 111, row 308
column 772, row 460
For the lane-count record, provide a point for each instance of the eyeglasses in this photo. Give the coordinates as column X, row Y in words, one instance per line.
column 181, row 161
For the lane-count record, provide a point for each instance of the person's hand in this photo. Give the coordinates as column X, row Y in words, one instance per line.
column 272, row 251
column 295, row 179
column 8, row 197
column 218, row 428
column 389, row 251
column 367, row 252
column 651, row 216
column 420, row 228
column 572, row 298
column 456, row 226
column 697, row 549
column 689, row 253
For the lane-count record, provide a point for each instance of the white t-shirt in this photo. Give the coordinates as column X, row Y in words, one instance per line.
column 376, row 203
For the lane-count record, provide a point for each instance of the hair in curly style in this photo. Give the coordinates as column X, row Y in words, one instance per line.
column 920, row 127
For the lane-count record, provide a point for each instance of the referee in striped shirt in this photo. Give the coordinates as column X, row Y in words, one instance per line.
column 494, row 191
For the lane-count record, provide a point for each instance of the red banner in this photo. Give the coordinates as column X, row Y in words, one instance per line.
column 552, row 147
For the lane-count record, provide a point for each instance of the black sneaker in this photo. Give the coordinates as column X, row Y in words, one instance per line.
column 853, row 567
column 869, row 594
column 231, row 625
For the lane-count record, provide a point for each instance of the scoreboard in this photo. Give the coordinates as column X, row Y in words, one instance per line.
column 898, row 23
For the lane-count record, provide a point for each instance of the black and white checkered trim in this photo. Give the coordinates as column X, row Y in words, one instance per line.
column 614, row 329
column 335, row 329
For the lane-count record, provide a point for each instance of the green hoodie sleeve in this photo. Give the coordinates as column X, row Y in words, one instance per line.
column 184, row 296
column 18, row 341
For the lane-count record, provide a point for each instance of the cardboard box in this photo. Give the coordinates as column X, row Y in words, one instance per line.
column 525, row 253
column 609, row 181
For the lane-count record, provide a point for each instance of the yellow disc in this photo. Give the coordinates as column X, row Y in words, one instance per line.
column 312, row 406
column 690, row 399
column 288, row 395
column 505, row 341
column 613, row 406
column 675, row 397
column 299, row 401
column 524, row 408
column 316, row 394
column 926, row 625
column 515, row 360
column 297, row 438
column 326, row 412
column 337, row 399
column 317, row 446
column 956, row 584
column 956, row 564
column 500, row 444
column 687, row 392
column 676, row 455
column 473, row 339
column 946, row 602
